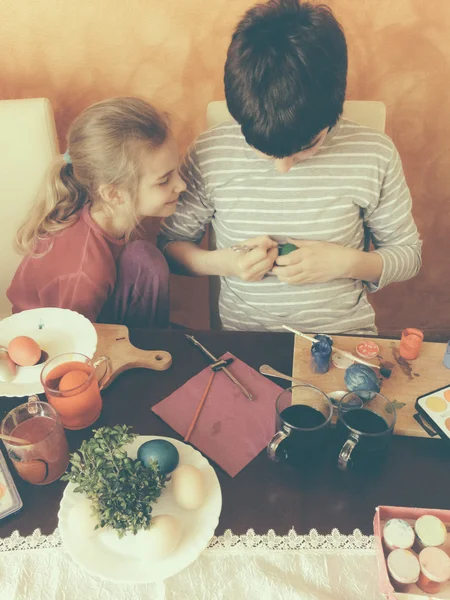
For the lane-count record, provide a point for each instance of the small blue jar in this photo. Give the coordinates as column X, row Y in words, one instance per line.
column 321, row 353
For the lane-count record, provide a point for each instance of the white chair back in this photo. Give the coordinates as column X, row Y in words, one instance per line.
column 28, row 143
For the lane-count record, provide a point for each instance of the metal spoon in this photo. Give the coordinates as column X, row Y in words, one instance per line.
column 8, row 369
column 334, row 397
column 271, row 372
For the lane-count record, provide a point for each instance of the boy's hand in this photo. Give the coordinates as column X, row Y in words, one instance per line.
column 315, row 262
column 252, row 265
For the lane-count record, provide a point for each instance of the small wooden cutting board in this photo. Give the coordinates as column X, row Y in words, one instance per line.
column 409, row 379
column 114, row 341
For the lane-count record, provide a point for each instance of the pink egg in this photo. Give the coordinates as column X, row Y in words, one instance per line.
column 72, row 380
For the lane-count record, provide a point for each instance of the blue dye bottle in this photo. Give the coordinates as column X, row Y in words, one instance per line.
column 321, row 353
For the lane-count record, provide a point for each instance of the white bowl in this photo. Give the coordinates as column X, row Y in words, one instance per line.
column 111, row 558
column 57, row 331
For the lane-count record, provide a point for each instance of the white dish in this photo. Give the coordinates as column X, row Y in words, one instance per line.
column 103, row 554
column 57, row 331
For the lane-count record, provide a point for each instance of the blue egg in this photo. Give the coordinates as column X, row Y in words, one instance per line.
column 162, row 452
column 360, row 379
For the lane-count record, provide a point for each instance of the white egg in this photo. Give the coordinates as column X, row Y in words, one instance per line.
column 129, row 543
column 81, row 519
column 188, row 487
column 155, row 543
column 162, row 538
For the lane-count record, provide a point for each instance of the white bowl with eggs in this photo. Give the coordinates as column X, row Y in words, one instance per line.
column 57, row 331
column 179, row 534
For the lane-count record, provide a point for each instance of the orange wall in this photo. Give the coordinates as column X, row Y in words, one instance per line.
column 172, row 53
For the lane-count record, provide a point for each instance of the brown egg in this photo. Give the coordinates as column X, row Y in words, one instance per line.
column 24, row 351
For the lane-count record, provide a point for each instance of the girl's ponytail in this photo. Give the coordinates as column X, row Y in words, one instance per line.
column 59, row 199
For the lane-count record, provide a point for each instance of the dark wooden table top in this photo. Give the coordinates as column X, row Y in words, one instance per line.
column 264, row 495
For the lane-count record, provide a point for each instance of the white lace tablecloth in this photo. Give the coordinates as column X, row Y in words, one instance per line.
column 306, row 567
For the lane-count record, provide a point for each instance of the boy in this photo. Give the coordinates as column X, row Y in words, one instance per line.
column 291, row 170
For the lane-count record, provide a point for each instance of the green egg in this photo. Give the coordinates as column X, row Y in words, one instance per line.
column 287, row 249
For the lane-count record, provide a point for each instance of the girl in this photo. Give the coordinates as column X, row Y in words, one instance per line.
column 120, row 167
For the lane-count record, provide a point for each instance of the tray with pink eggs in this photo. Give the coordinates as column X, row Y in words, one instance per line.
column 184, row 519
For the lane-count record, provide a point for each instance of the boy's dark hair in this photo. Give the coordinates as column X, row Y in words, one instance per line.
column 285, row 75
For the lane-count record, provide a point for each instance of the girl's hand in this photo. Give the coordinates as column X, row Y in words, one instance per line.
column 253, row 264
column 315, row 262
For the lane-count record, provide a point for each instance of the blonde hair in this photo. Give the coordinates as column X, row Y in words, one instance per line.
column 105, row 143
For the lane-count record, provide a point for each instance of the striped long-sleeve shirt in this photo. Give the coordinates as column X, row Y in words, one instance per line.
column 355, row 178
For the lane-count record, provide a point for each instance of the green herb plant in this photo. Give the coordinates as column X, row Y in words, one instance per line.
column 122, row 489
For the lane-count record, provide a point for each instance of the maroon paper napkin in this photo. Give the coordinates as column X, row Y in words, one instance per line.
column 231, row 430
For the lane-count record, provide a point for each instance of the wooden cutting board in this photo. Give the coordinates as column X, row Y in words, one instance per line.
column 114, row 341
column 409, row 379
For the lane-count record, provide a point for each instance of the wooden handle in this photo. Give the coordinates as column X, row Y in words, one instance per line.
column 303, row 335
column 199, row 408
column 157, row 360
column 270, row 372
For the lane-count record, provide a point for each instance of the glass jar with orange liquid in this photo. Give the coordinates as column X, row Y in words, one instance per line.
column 73, row 389
column 36, row 442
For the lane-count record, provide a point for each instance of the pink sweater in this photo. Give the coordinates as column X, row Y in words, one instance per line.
column 79, row 272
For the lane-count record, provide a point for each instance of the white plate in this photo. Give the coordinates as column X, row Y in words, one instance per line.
column 57, row 331
column 101, row 558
